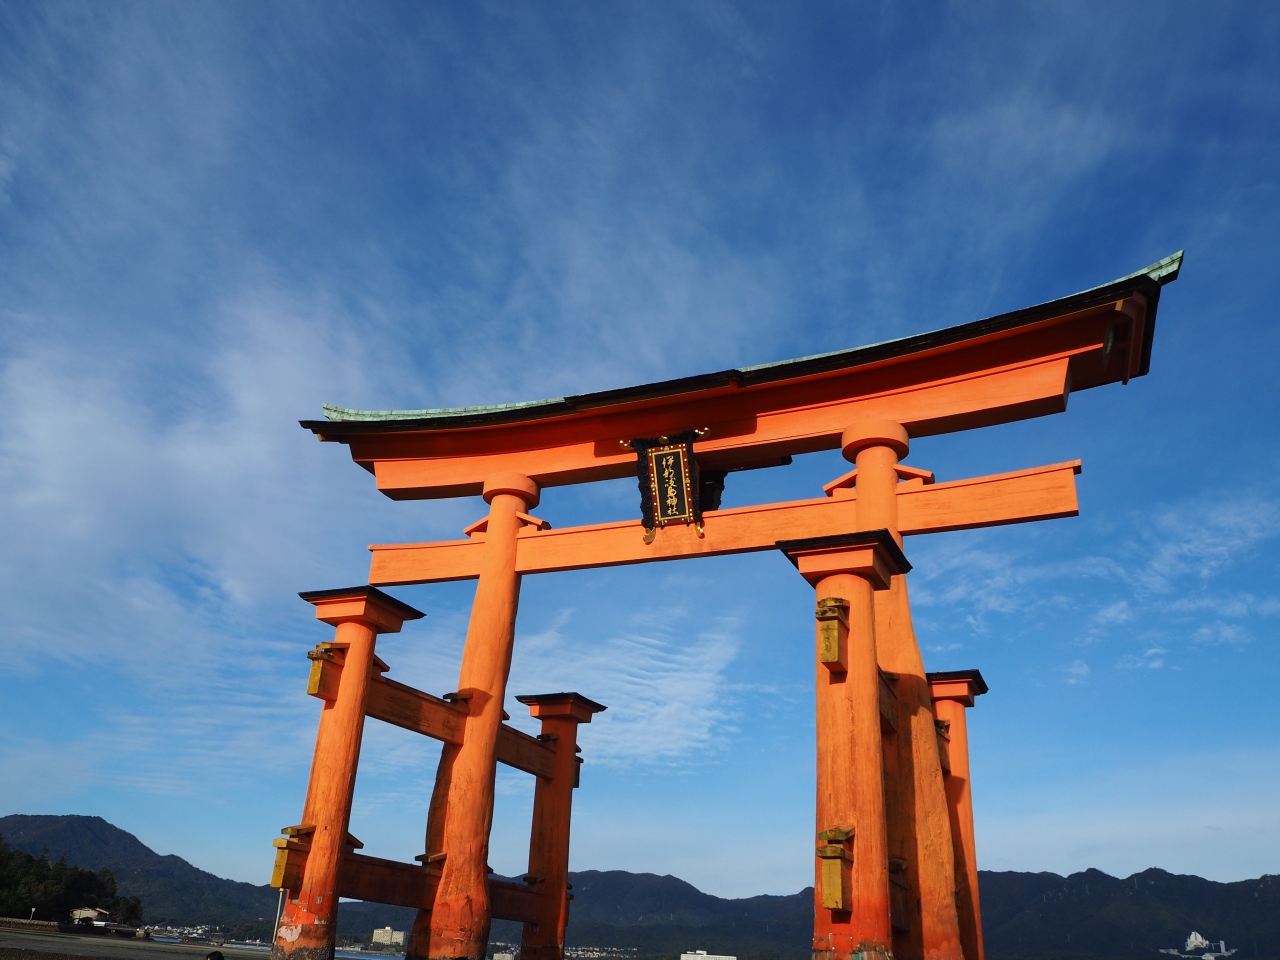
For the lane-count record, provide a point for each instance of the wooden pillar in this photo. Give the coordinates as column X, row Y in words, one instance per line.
column 953, row 693
column 919, row 820
column 458, row 921
column 560, row 714
column 418, row 946
column 309, row 922
column 851, row 863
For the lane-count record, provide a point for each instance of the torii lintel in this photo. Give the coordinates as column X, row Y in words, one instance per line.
column 1042, row 493
column 1009, row 367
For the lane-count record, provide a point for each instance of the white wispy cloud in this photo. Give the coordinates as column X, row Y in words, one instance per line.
column 1198, row 538
column 1077, row 671
column 1168, row 588
column 1152, row 659
column 1124, row 818
column 667, row 693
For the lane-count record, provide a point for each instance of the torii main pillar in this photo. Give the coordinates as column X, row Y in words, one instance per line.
column 915, row 817
column 308, row 926
column 456, row 923
column 916, row 798
column 851, row 881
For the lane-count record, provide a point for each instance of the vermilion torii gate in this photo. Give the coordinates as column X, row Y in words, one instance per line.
column 894, row 860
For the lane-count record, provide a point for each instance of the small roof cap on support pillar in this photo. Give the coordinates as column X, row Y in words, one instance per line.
column 364, row 604
column 570, row 706
column 870, row 553
column 961, row 685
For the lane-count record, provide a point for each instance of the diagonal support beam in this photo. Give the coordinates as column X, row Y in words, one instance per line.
column 1041, row 493
column 403, row 706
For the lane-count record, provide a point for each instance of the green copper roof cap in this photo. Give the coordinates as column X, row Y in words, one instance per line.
column 1163, row 271
column 1160, row 273
column 346, row 414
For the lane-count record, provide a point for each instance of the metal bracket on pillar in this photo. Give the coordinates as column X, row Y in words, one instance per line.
column 836, row 855
column 833, row 633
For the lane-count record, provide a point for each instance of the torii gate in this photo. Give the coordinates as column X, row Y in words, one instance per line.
column 894, row 861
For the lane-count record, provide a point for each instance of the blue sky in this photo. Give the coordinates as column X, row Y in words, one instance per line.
column 215, row 217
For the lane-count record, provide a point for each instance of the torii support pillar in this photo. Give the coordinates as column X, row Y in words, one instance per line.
column 918, row 819
column 953, row 693
column 851, row 863
column 560, row 714
column 457, row 923
column 308, row 925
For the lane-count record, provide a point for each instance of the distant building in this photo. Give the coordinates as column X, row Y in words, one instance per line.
column 504, row 956
column 389, row 937
column 703, row 955
column 1198, row 948
column 91, row 914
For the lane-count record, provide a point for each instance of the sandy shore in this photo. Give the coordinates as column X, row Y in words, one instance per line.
column 48, row 945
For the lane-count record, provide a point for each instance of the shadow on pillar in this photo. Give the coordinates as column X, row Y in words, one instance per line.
column 900, row 804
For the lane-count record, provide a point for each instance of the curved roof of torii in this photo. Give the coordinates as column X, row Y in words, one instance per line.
column 341, row 422
column 1010, row 367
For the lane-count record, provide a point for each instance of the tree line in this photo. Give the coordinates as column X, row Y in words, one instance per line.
column 55, row 889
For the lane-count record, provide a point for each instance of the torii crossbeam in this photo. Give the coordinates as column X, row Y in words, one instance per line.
column 894, row 860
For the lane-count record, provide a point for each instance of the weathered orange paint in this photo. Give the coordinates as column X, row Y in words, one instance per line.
column 951, row 700
column 918, row 814
column 552, row 807
column 1041, row 493
column 460, row 915
column 308, row 923
column 876, row 446
column 850, row 760
column 918, row 798
column 409, row 885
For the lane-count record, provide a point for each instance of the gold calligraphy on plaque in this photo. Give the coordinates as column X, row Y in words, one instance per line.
column 670, row 485
column 669, row 481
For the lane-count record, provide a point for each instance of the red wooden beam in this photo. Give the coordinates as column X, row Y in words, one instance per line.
column 1041, row 493
column 410, row 709
column 744, row 427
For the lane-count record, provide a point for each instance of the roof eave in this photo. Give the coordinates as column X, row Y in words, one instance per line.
column 1148, row 282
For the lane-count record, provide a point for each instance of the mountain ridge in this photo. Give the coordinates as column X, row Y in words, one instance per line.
column 1088, row 914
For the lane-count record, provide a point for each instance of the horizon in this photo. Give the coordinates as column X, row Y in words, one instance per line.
column 802, row 890
column 216, row 218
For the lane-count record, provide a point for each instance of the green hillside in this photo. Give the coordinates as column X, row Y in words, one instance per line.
column 171, row 890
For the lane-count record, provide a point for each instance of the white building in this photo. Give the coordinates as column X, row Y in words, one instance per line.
column 703, row 955
column 91, row 914
column 389, row 937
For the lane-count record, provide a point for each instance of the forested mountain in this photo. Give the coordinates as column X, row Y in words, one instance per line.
column 35, row 888
column 171, row 890
column 1091, row 914
column 1026, row 915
